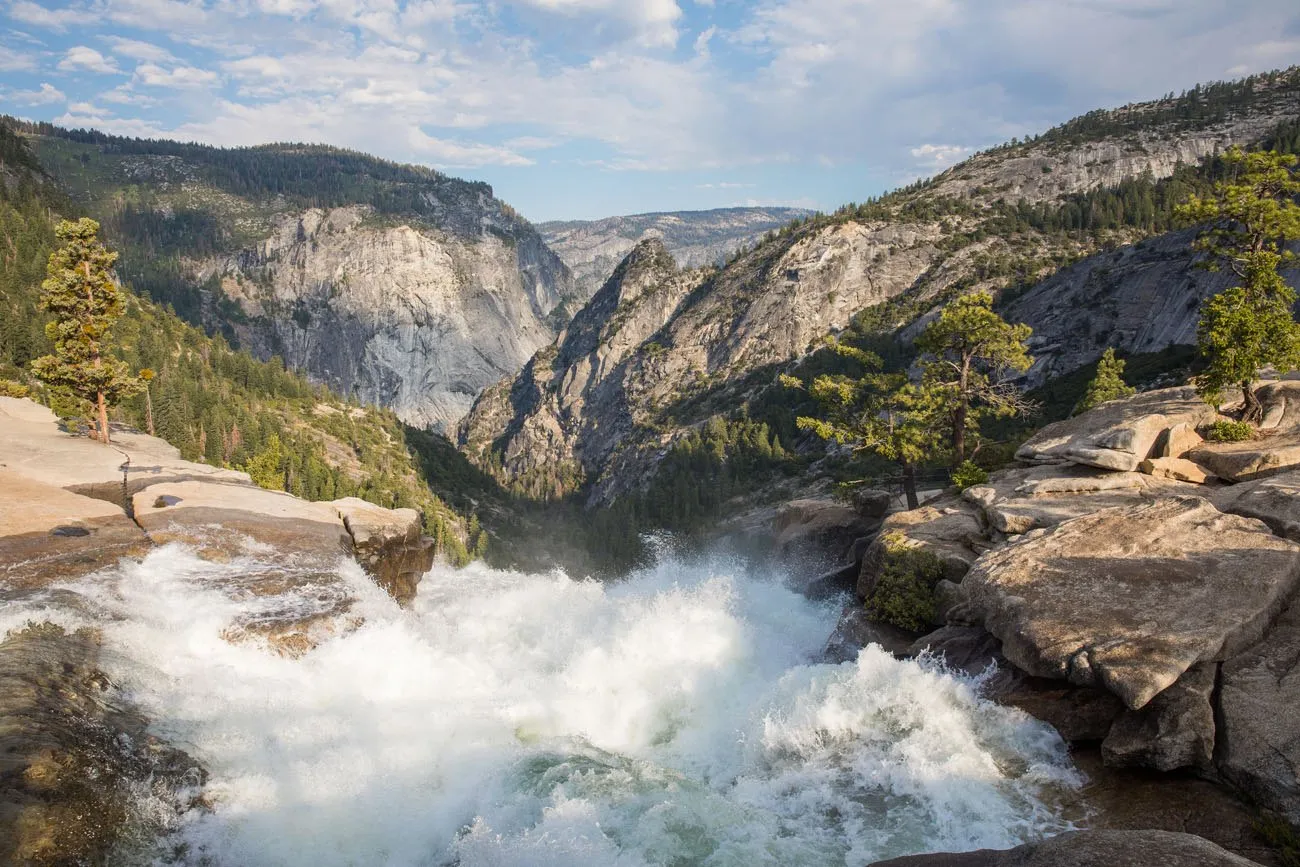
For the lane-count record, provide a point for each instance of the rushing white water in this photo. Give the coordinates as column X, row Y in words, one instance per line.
column 673, row 718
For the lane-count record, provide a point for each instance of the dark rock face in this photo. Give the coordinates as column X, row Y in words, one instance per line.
column 1091, row 849
column 1175, row 730
column 1259, row 706
column 74, row 755
column 856, row 630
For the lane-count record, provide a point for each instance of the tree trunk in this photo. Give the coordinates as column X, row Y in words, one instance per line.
column 1253, row 411
column 959, row 414
column 909, row 485
column 103, row 417
column 148, row 412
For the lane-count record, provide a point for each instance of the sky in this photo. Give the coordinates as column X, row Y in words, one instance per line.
column 578, row 109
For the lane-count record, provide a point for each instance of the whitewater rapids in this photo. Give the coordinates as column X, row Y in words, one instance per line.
column 673, row 718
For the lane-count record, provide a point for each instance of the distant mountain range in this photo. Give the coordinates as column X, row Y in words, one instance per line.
column 593, row 248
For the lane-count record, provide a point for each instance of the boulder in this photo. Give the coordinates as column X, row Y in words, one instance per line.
column 1281, row 404
column 1259, row 732
column 1175, row 469
column 1269, row 453
column 1275, row 501
column 1016, row 501
column 948, row 528
column 855, row 630
column 1091, row 849
column 48, row 534
column 1175, row 730
column 819, row 530
column 31, row 445
column 389, row 544
column 1119, row 434
column 1129, row 598
column 833, row 583
column 1178, row 441
column 871, row 502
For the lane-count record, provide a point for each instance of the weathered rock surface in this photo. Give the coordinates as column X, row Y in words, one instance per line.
column 1175, row 729
column 1270, row 453
column 1129, row 598
column 1118, row 435
column 1091, row 849
column 75, row 756
column 48, row 534
column 389, row 544
column 1178, row 441
column 1260, row 735
column 1016, row 501
column 949, row 528
column 1176, row 469
column 33, row 447
column 221, row 516
column 822, row 531
column 1274, row 500
column 1136, row 799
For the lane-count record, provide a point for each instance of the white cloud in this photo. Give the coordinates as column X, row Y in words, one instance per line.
column 57, row 20
column 938, row 156
column 653, row 22
column 15, row 61
column 80, row 57
column 46, row 94
column 179, row 77
column 138, row 50
column 450, row 154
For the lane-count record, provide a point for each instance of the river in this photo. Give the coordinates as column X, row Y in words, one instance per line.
column 676, row 717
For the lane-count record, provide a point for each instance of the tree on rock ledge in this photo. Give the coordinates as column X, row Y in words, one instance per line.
column 1248, row 326
column 879, row 412
column 967, row 353
column 86, row 303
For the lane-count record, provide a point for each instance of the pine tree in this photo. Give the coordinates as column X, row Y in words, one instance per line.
column 1250, row 325
column 86, row 303
column 265, row 467
column 879, row 412
column 970, row 348
column 1107, row 384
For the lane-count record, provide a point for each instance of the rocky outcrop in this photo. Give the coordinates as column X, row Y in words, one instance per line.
column 1175, row 730
column 76, row 756
column 593, row 248
column 48, row 534
column 1260, row 737
column 1091, row 849
column 71, row 505
column 1130, row 598
column 389, row 544
column 1275, row 501
column 1118, row 435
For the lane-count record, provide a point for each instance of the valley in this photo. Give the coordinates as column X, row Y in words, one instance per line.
column 754, row 535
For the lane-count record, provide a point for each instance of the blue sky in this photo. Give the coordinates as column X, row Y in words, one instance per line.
column 586, row 108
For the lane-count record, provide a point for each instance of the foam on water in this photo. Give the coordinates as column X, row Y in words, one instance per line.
column 672, row 718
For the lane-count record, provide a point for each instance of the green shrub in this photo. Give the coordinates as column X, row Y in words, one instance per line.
column 968, row 474
column 1282, row 837
column 1223, row 431
column 9, row 388
column 904, row 591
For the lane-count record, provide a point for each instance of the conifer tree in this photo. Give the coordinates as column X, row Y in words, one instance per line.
column 968, row 350
column 86, row 303
column 878, row 412
column 1248, row 326
column 1107, row 384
